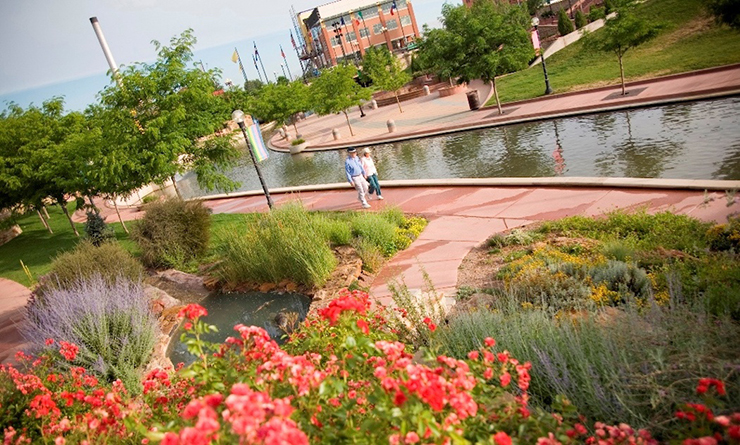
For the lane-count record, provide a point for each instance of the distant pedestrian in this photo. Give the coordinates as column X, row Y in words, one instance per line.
column 372, row 173
column 356, row 176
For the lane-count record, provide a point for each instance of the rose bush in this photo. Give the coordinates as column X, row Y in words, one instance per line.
column 343, row 377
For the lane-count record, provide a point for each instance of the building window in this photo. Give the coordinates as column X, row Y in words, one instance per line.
column 405, row 20
column 370, row 12
column 387, row 8
column 364, row 32
column 401, row 4
column 391, row 24
column 335, row 41
column 377, row 28
column 351, row 36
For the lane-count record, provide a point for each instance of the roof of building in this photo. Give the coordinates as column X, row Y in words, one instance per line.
column 340, row 7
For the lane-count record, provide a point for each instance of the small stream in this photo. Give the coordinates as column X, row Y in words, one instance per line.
column 251, row 309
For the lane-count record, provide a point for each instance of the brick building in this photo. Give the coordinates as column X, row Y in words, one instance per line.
column 345, row 29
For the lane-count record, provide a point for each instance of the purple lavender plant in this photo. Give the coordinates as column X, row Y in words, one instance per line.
column 111, row 323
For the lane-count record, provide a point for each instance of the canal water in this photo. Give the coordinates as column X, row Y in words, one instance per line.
column 695, row 140
column 225, row 311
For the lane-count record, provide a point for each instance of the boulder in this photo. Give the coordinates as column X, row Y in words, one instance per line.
column 187, row 288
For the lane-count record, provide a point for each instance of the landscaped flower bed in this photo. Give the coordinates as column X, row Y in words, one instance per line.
column 343, row 377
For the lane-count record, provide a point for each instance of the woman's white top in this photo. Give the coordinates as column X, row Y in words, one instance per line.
column 368, row 165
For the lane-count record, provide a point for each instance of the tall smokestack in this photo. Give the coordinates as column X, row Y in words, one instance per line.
column 106, row 50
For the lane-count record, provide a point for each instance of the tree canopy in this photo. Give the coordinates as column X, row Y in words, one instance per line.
column 280, row 102
column 166, row 119
column 385, row 70
column 335, row 90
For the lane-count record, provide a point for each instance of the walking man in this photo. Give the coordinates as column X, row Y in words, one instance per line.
column 356, row 176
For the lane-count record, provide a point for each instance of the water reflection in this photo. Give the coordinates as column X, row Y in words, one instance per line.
column 697, row 140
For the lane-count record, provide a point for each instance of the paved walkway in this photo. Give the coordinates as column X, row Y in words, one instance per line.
column 431, row 115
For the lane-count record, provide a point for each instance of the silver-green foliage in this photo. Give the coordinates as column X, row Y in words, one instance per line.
column 614, row 365
column 109, row 320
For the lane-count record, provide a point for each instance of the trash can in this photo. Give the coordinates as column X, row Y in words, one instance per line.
column 473, row 100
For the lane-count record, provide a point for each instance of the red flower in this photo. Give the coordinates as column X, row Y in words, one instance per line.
column 362, row 324
column 502, row 438
column 193, row 311
column 490, row 343
column 505, row 379
column 49, row 341
column 68, row 350
column 400, row 398
column 356, row 301
column 473, row 355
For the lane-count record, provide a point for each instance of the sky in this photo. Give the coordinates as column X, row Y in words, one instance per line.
column 49, row 48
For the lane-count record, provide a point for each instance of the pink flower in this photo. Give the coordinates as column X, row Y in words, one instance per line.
column 490, row 342
column 411, row 437
column 473, row 355
column 49, row 341
column 505, row 379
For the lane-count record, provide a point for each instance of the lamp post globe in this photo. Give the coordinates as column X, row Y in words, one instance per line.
column 238, row 117
column 535, row 23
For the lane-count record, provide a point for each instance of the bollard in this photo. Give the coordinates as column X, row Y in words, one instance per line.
column 426, row 90
column 391, row 126
column 335, row 134
column 374, row 104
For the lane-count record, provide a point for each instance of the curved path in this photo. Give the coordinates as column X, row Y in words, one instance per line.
column 431, row 115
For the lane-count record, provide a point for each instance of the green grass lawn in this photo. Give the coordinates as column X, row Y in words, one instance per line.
column 689, row 40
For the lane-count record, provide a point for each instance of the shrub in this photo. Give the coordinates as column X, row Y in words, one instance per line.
column 111, row 323
column 371, row 255
column 565, row 26
column 283, row 244
column 298, row 141
column 96, row 230
column 150, row 198
column 725, row 237
column 619, row 250
column 596, row 13
column 173, row 233
column 338, row 232
column 610, row 364
column 109, row 261
column 628, row 280
column 377, row 230
column 580, row 19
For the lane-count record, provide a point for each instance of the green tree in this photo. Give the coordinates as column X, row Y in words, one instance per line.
column 440, row 50
column 495, row 40
column 385, row 70
column 565, row 26
column 622, row 33
column 726, row 11
column 335, row 90
column 581, row 19
column 166, row 118
column 534, row 5
column 280, row 102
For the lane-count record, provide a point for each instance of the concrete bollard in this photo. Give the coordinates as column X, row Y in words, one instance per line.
column 335, row 133
column 391, row 126
column 374, row 104
column 426, row 90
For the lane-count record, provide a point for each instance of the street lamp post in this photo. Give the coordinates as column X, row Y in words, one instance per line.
column 238, row 117
column 338, row 34
column 535, row 23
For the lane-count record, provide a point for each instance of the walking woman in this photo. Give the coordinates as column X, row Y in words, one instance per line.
column 372, row 174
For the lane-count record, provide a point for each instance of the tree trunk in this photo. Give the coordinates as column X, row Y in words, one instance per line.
column 62, row 202
column 43, row 221
column 398, row 101
column 295, row 128
column 43, row 207
column 348, row 124
column 621, row 73
column 92, row 204
column 115, row 206
column 174, row 184
column 451, row 82
column 495, row 94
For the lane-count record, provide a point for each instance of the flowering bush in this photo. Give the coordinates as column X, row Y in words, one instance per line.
column 342, row 378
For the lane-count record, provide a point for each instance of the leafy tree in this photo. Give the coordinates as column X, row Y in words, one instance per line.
column 581, row 19
column 166, row 119
column 385, row 70
column 565, row 26
column 281, row 102
column 534, row 5
column 335, row 90
column 440, row 50
column 621, row 33
column 494, row 40
column 726, row 11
